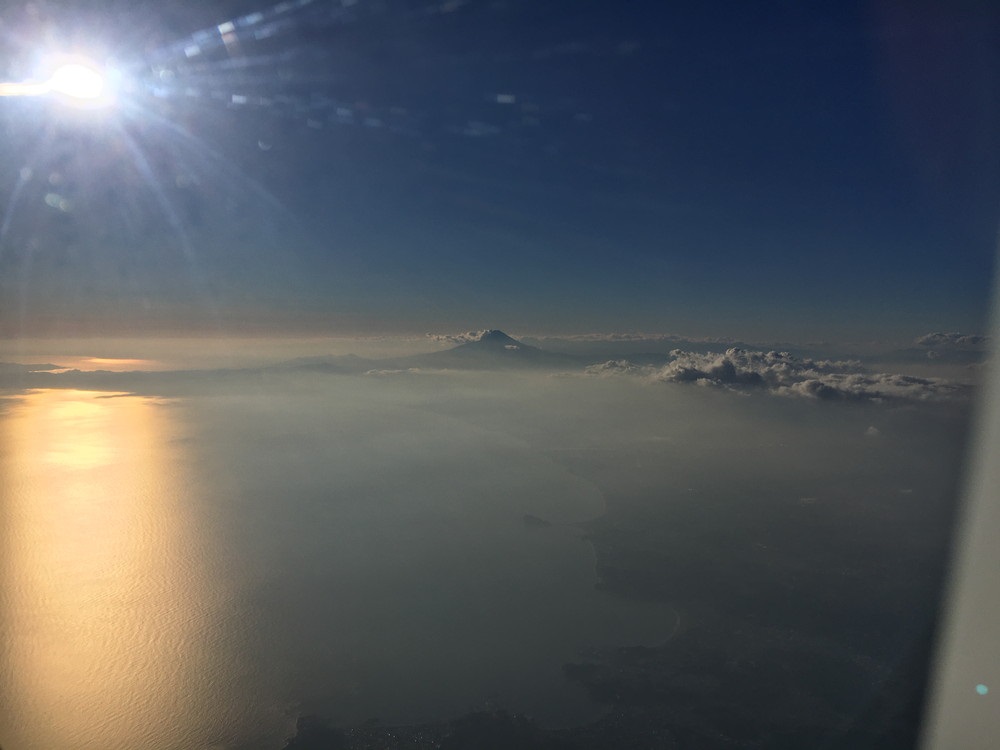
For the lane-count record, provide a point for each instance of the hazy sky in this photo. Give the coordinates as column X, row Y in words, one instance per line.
column 564, row 166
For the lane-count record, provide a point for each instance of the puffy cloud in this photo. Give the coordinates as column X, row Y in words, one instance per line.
column 784, row 374
column 953, row 340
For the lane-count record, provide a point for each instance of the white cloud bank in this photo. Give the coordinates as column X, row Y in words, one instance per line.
column 786, row 375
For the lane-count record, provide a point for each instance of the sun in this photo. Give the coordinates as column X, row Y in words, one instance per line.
column 78, row 80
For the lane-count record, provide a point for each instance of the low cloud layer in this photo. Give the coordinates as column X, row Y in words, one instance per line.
column 457, row 338
column 953, row 340
column 651, row 337
column 786, row 375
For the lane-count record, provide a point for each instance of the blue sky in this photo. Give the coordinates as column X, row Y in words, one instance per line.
column 766, row 172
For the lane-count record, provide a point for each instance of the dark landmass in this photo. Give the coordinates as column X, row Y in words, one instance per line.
column 311, row 733
column 346, row 363
column 534, row 522
column 811, row 622
column 495, row 350
column 154, row 383
column 804, row 621
column 481, row 730
column 15, row 367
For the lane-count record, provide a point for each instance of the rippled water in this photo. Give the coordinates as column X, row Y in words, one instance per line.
column 197, row 572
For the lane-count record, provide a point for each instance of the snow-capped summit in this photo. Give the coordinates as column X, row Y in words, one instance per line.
column 496, row 339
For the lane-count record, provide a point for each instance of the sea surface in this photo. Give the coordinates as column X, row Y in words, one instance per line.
column 197, row 570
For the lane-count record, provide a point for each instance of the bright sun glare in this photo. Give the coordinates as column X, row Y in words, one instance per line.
column 77, row 80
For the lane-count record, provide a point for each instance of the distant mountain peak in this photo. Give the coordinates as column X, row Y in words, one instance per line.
column 496, row 337
column 492, row 349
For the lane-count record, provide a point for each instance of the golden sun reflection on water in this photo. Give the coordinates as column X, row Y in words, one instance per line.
column 104, row 606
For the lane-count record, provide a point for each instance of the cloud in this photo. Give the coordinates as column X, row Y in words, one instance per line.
column 650, row 337
column 615, row 367
column 784, row 374
column 457, row 338
column 953, row 340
